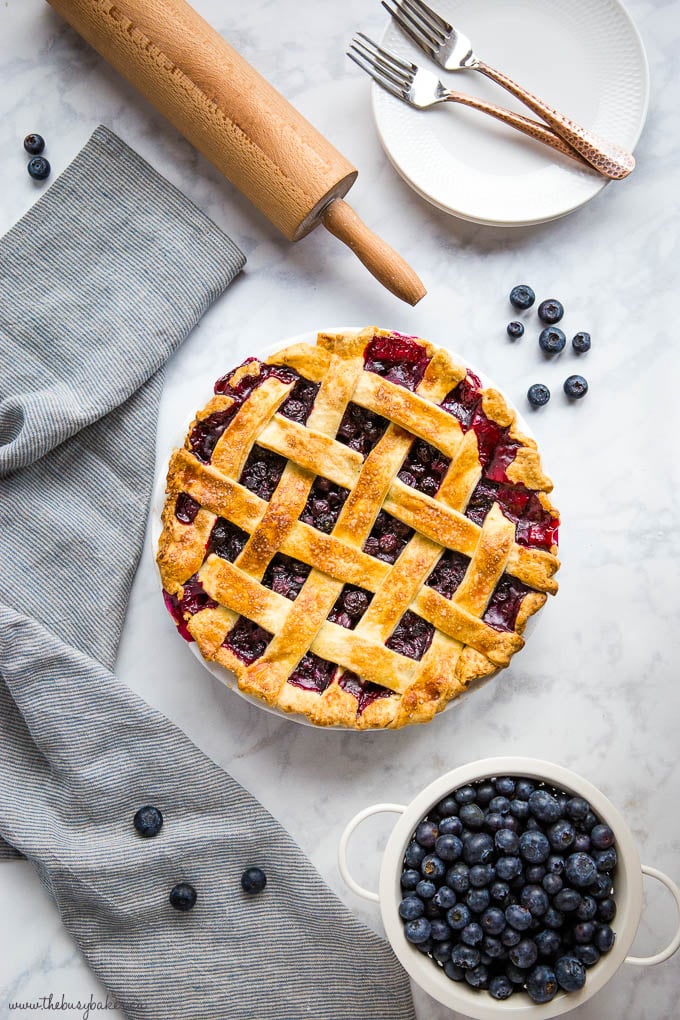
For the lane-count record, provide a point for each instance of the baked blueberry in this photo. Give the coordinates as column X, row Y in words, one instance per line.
column 500, row 987
column 39, row 168
column 515, row 330
column 538, row 395
column 542, row 984
column 570, row 973
column 183, row 896
column 522, row 296
column 34, row 144
column 550, row 311
column 417, row 931
column 253, row 880
column 575, row 386
column 148, row 821
column 581, row 342
column 552, row 340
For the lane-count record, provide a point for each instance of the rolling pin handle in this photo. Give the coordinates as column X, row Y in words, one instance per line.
column 381, row 261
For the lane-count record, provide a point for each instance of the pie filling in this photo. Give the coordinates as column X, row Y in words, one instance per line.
column 401, row 360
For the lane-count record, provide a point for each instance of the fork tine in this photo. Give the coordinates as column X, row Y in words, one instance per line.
column 444, row 27
column 390, row 58
column 409, row 26
column 375, row 74
column 421, row 14
column 396, row 76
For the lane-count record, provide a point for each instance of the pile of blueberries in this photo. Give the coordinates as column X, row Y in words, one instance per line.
column 508, row 885
column 552, row 340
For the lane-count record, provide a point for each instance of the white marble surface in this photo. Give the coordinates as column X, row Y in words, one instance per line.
column 596, row 688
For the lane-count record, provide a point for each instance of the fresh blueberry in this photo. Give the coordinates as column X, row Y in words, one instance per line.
column 581, row 870
column 553, row 918
column 589, row 955
column 448, row 807
column 485, row 791
column 499, row 805
column 533, row 847
column 601, row 836
column 410, row 878
column 550, row 311
column 433, row 866
column 466, row 957
column 581, row 342
column 493, row 821
column 587, row 909
column 510, row 937
column 413, row 857
column 148, row 821
column 450, row 826
column 465, row 795
column 505, row 785
column 478, row 900
column 499, row 892
column 552, row 884
column 570, row 973
column 575, row 387
column 481, row 875
column 441, row 951
column 426, row 833
column 500, row 987
column 515, row 974
column 568, row 900
column 589, row 822
column 472, row 816
column 535, row 874
column 606, row 910
column 472, row 934
column 426, row 889
column 577, row 808
column 524, row 788
column 34, row 144
column 478, row 977
column 478, row 849
column 535, row 899
column 439, row 930
column 449, row 848
column 425, row 947
column 432, row 911
column 411, row 908
column 454, row 972
column 493, row 921
column 518, row 917
column 606, row 859
column 583, row 932
column 183, row 896
column 522, row 296
column 510, row 822
column 524, row 954
column 458, row 877
column 508, row 868
column 561, row 834
column 544, row 806
column 604, row 938
column 555, row 864
column 602, row 886
column 515, row 330
column 581, row 842
column 542, row 984
column 253, row 880
column 552, row 340
column 494, row 948
column 458, row 916
column 519, row 809
column 39, row 168
column 418, row 930
column 444, row 898
column 548, row 942
column 506, row 841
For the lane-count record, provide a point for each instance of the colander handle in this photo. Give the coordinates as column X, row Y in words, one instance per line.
column 674, row 944
column 343, row 867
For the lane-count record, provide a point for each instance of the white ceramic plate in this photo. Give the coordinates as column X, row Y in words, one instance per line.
column 186, row 415
column 585, row 57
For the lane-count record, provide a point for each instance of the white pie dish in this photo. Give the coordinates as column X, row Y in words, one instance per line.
column 585, row 57
column 460, row 997
column 164, row 451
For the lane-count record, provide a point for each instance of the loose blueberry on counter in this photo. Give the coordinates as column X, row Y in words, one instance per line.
column 538, row 395
column 550, row 311
column 253, row 880
column 575, row 387
column 183, row 896
column 522, row 296
column 34, row 144
column 148, row 821
column 581, row 342
column 552, row 340
column 39, row 168
column 515, row 330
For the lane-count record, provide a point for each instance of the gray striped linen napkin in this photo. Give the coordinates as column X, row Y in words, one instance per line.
column 99, row 283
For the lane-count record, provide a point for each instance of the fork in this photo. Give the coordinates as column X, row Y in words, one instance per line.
column 453, row 51
column 422, row 89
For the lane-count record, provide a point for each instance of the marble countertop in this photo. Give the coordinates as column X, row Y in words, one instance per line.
column 596, row 687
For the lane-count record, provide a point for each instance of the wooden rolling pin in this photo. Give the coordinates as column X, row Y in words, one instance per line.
column 238, row 121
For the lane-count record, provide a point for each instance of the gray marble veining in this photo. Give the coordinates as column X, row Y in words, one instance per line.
column 596, row 687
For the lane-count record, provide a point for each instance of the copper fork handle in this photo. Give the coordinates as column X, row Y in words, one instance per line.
column 533, row 128
column 608, row 158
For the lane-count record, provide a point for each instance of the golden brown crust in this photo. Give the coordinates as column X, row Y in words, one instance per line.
column 464, row 647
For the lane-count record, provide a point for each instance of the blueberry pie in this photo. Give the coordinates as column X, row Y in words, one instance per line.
column 357, row 530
